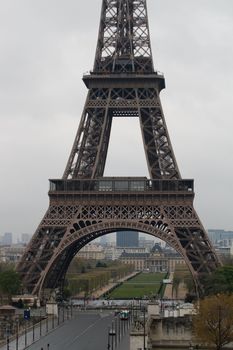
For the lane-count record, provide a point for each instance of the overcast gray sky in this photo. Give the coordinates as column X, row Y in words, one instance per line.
column 46, row 46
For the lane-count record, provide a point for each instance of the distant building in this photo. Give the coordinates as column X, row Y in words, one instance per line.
column 7, row 239
column 158, row 260
column 92, row 252
column 127, row 239
column 136, row 259
column 25, row 238
column 220, row 238
column 223, row 251
column 132, row 250
column 104, row 240
column 110, row 253
column 114, row 253
column 11, row 253
column 146, row 243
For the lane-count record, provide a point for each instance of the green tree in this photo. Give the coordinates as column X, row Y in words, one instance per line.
column 89, row 267
column 9, row 283
column 5, row 266
column 220, row 281
column 101, row 264
column 213, row 324
column 66, row 293
column 175, row 284
column 83, row 270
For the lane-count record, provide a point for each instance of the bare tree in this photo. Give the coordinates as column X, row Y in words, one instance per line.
column 213, row 324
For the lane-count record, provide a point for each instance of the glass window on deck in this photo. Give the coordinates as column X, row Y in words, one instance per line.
column 121, row 185
column 137, row 185
column 105, row 185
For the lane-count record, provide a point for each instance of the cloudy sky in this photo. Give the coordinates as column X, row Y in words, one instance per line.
column 46, row 46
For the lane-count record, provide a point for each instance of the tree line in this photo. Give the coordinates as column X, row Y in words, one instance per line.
column 86, row 276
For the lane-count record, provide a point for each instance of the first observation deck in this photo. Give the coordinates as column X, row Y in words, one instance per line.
column 121, row 184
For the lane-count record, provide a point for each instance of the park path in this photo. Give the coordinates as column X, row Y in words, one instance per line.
column 181, row 293
column 100, row 292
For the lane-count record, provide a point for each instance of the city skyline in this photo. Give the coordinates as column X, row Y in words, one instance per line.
column 42, row 98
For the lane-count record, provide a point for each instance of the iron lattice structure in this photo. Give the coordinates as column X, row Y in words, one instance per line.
column 84, row 204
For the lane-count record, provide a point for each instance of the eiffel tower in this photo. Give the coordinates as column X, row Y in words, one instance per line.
column 84, row 204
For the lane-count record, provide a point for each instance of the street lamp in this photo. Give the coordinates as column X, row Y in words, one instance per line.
column 17, row 335
column 108, row 339
column 40, row 325
column 25, row 335
column 144, row 328
column 7, row 336
column 111, row 335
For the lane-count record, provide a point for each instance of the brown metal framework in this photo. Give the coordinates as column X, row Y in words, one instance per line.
column 85, row 205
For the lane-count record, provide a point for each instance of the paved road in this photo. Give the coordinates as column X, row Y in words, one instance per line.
column 85, row 331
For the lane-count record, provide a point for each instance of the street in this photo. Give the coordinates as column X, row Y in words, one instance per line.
column 87, row 330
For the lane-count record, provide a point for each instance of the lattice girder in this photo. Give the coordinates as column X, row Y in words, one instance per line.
column 70, row 224
column 89, row 153
column 124, row 44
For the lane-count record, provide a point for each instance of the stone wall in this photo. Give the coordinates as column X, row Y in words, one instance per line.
column 170, row 331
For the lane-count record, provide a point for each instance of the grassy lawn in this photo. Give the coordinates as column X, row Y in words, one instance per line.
column 145, row 284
